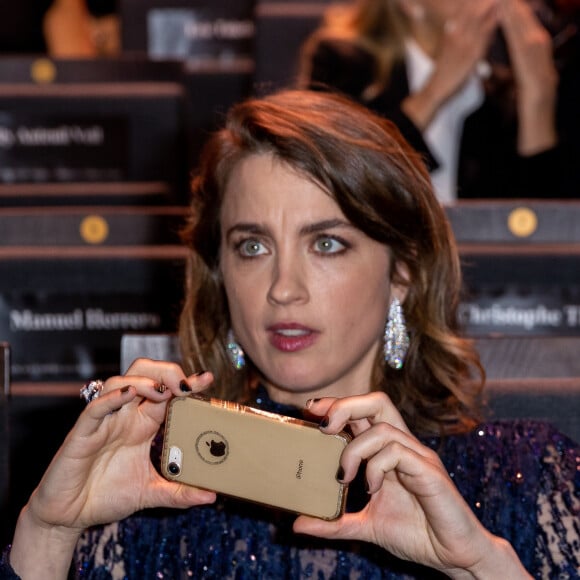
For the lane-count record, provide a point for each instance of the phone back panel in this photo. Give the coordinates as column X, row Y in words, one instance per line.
column 255, row 455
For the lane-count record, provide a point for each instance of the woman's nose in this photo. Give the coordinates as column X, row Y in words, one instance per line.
column 289, row 281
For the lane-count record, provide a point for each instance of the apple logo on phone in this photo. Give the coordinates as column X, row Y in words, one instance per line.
column 212, row 447
column 216, row 448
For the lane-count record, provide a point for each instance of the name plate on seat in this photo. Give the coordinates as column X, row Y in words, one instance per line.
column 532, row 290
column 538, row 312
column 64, row 310
column 515, row 221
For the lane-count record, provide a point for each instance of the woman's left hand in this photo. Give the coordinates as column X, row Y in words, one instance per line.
column 414, row 509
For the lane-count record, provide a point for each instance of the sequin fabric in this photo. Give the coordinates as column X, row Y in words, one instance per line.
column 521, row 478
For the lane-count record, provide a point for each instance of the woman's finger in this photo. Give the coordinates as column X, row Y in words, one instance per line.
column 357, row 411
column 196, row 382
column 371, row 443
column 153, row 378
column 98, row 409
column 145, row 388
column 522, row 28
column 474, row 23
column 168, row 374
column 419, row 465
column 347, row 527
column 178, row 495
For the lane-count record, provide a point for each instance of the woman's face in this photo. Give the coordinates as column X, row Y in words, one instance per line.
column 308, row 292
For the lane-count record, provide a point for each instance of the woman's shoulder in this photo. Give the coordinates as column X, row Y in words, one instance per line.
column 522, row 451
column 528, row 435
column 518, row 428
column 522, row 479
column 528, row 455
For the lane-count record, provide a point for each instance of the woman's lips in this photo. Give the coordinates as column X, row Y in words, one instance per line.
column 291, row 337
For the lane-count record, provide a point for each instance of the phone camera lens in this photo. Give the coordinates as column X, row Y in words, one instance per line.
column 173, row 468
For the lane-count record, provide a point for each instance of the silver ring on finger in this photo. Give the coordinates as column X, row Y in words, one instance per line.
column 92, row 390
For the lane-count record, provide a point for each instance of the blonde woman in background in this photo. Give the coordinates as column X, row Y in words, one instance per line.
column 423, row 63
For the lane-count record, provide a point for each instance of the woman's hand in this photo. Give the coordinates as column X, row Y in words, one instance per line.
column 462, row 42
column 535, row 76
column 103, row 472
column 414, row 509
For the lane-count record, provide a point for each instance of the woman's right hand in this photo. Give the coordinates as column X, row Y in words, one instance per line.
column 103, row 472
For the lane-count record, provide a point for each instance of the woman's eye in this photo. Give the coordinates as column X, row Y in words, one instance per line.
column 250, row 248
column 328, row 245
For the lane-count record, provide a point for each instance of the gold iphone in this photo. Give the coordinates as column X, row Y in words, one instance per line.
column 254, row 455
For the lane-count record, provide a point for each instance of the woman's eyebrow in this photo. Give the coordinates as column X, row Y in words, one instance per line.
column 313, row 228
column 246, row 227
column 325, row 225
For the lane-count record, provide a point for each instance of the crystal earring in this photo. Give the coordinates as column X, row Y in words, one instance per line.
column 235, row 352
column 396, row 337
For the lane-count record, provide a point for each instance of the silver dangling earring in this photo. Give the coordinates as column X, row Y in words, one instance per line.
column 235, row 352
column 396, row 336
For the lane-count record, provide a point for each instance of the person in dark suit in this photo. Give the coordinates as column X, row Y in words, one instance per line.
column 478, row 87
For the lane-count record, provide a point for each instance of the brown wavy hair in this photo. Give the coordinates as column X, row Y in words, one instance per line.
column 383, row 188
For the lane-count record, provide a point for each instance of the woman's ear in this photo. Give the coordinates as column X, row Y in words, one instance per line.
column 400, row 281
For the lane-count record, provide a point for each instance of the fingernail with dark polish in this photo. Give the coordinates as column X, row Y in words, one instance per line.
column 125, row 388
column 160, row 388
column 324, row 422
column 340, row 473
column 185, row 388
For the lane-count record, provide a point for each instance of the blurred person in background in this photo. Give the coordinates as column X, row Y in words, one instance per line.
column 487, row 91
column 57, row 28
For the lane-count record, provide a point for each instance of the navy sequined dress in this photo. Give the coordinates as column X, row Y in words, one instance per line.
column 521, row 478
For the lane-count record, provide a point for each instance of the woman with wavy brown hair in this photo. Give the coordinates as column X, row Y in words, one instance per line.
column 387, row 196
column 323, row 282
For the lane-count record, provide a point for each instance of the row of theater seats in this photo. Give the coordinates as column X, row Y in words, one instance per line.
column 521, row 264
column 99, row 272
column 85, row 290
column 128, row 129
column 94, row 167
